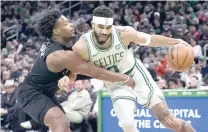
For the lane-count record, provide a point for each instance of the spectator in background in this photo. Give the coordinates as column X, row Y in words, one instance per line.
column 181, row 84
column 193, row 83
column 92, row 117
column 197, row 48
column 9, row 46
column 82, row 28
column 203, row 65
column 24, row 72
column 8, row 99
column 4, row 53
column 162, row 83
column 167, row 32
column 93, row 94
column 17, row 58
column 161, row 65
column 5, row 76
column 15, row 73
column 176, row 21
column 8, row 104
column 205, row 84
column 205, row 30
column 150, row 67
column 8, row 61
column 78, row 104
column 21, row 79
column 157, row 27
column 193, row 71
column 12, row 52
column 195, row 34
column 3, row 68
column 178, row 33
column 173, row 84
column 145, row 26
column 86, row 28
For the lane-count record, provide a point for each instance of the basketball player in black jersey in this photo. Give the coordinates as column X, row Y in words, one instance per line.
column 36, row 95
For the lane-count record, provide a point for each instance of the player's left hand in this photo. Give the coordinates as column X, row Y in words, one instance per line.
column 63, row 83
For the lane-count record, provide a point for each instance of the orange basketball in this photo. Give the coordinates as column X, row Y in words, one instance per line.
column 180, row 57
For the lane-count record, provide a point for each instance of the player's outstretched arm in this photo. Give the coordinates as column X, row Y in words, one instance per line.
column 81, row 67
column 71, row 61
column 141, row 38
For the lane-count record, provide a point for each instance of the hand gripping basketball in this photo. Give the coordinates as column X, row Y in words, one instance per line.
column 180, row 56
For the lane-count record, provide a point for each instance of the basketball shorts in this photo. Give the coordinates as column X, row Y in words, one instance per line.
column 146, row 92
column 34, row 102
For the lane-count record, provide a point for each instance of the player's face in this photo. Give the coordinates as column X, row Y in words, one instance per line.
column 64, row 28
column 102, row 32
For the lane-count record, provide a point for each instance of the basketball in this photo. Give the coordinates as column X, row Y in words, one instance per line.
column 180, row 57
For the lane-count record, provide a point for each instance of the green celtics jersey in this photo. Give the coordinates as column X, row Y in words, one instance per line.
column 116, row 58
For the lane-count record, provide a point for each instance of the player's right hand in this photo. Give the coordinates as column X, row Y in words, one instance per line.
column 130, row 82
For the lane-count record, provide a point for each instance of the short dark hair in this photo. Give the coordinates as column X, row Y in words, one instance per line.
column 46, row 20
column 174, row 80
column 103, row 11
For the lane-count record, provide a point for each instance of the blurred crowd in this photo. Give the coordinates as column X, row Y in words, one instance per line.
column 20, row 45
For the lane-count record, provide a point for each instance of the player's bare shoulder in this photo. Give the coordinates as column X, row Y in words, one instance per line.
column 127, row 34
column 81, row 49
column 126, row 31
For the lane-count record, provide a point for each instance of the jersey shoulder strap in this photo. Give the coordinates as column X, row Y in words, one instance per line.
column 117, row 37
column 88, row 40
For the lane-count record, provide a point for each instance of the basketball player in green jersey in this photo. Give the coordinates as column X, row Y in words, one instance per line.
column 106, row 46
